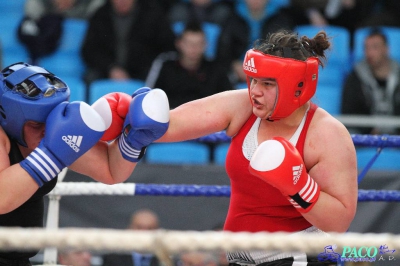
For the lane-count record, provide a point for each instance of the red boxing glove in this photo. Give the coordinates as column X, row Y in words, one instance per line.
column 113, row 108
column 279, row 163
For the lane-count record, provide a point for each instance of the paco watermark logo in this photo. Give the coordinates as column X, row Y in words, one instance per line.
column 329, row 254
column 357, row 254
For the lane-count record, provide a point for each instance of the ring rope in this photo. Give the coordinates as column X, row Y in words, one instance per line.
column 199, row 190
column 369, row 165
column 379, row 141
column 171, row 241
column 358, row 139
column 131, row 189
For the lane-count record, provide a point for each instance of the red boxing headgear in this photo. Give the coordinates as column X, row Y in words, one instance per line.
column 296, row 79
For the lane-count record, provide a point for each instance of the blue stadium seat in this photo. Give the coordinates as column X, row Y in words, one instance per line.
column 339, row 54
column 388, row 159
column 9, row 27
column 212, row 32
column 12, row 49
column 220, row 152
column 77, row 87
column 331, row 75
column 67, row 60
column 63, row 64
column 329, row 97
column 178, row 153
column 241, row 85
column 13, row 6
column 102, row 87
column 393, row 37
column 14, row 54
column 74, row 32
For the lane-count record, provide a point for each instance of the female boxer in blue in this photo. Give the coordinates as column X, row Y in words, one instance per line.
column 41, row 133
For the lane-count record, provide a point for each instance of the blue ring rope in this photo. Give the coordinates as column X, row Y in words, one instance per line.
column 225, row 191
column 379, row 141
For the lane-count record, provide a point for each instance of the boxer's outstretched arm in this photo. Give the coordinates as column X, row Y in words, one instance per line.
column 146, row 120
column 227, row 110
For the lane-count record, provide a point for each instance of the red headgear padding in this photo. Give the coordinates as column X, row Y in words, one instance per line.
column 296, row 79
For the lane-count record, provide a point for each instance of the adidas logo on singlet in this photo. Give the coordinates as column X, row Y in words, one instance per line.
column 73, row 141
column 297, row 173
column 250, row 66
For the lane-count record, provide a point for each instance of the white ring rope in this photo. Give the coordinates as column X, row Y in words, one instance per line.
column 92, row 188
column 164, row 243
column 174, row 241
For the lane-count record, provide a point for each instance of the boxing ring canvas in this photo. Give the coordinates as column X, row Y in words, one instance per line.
column 204, row 213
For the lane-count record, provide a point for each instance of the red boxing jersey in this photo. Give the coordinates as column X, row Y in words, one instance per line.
column 255, row 205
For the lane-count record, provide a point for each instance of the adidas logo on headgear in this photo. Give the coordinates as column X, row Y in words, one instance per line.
column 250, row 66
column 73, row 141
column 297, row 173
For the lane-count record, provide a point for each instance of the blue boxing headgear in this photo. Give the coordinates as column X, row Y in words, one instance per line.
column 28, row 93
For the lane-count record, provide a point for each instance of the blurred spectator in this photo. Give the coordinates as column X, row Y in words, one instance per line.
column 123, row 38
column 345, row 13
column 383, row 13
column 350, row 14
column 311, row 11
column 166, row 5
column 251, row 20
column 75, row 258
column 186, row 75
column 373, row 86
column 197, row 258
column 200, row 10
column 41, row 27
column 81, row 9
column 221, row 254
column 143, row 219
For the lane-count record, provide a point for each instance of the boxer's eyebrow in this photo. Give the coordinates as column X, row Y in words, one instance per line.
column 267, row 79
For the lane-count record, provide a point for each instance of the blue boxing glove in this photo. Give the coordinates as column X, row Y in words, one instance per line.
column 147, row 120
column 140, row 91
column 71, row 130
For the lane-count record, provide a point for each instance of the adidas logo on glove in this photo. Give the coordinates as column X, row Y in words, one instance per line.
column 73, row 141
column 297, row 173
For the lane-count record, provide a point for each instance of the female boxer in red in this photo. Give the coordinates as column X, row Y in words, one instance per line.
column 291, row 164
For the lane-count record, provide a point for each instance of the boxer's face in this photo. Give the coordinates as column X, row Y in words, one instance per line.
column 263, row 95
column 33, row 133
